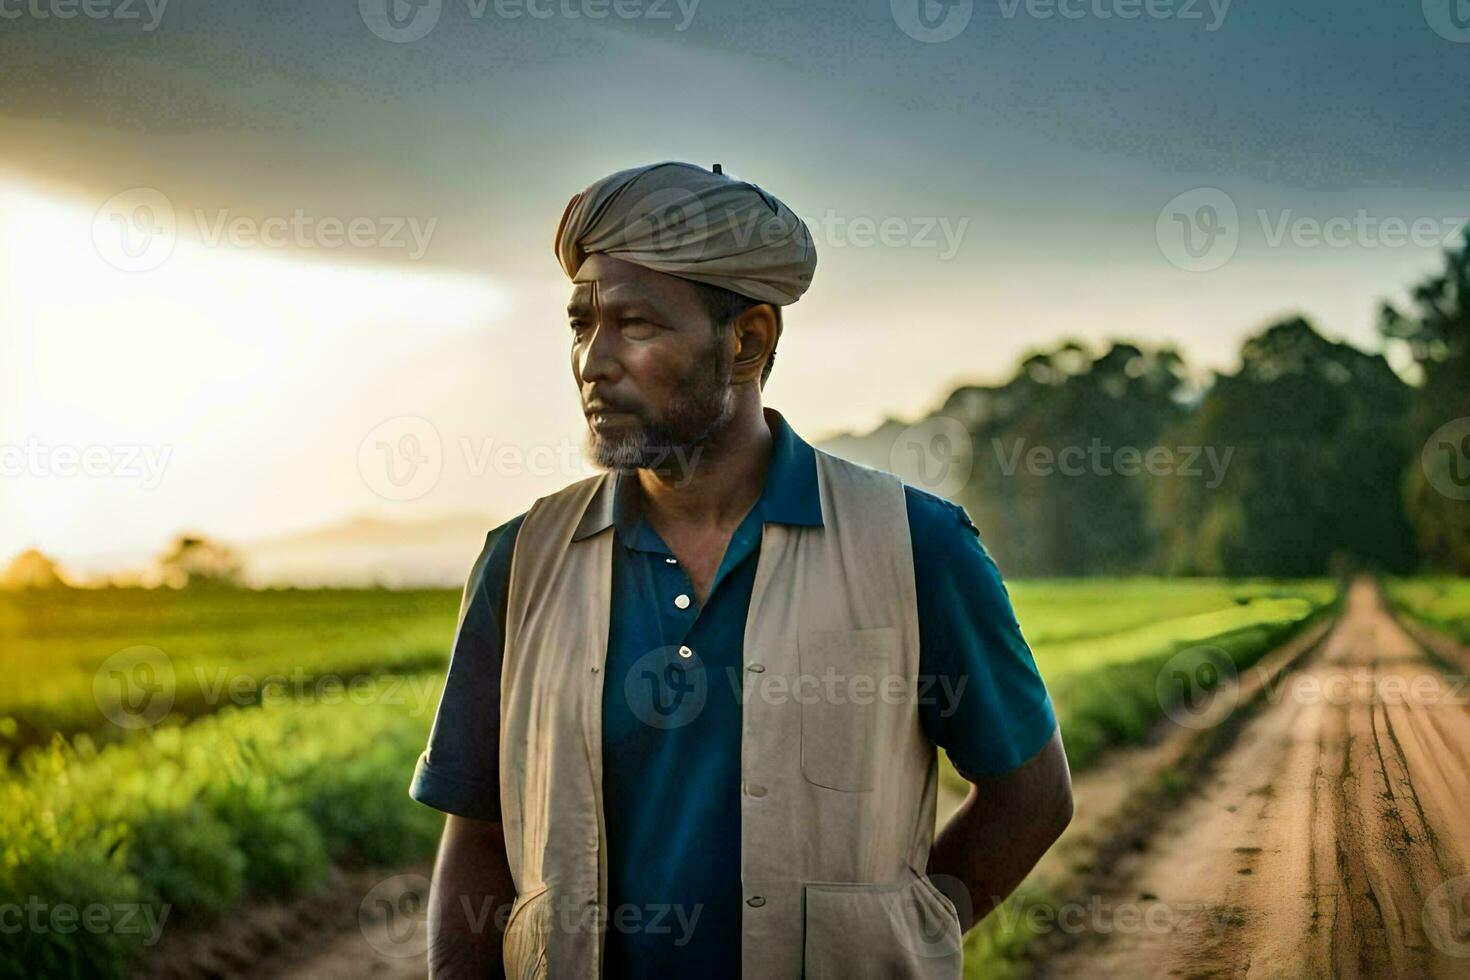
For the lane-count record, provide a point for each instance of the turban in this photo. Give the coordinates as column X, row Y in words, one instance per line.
column 692, row 223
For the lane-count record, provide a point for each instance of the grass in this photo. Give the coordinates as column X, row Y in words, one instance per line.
column 180, row 825
column 228, row 799
column 217, row 643
column 1442, row 604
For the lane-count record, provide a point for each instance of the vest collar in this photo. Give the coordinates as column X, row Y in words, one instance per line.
column 790, row 495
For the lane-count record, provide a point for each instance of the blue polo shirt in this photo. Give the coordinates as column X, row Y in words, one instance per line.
column 671, row 705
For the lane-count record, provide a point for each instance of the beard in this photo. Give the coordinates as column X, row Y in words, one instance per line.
column 700, row 407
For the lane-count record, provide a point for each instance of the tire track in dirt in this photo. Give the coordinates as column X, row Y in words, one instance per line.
column 1331, row 840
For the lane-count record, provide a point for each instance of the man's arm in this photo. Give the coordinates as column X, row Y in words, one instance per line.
column 468, row 901
column 1001, row 830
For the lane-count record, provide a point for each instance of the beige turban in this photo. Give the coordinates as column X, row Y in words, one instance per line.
column 692, row 223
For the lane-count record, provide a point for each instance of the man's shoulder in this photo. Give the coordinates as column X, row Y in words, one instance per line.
column 935, row 521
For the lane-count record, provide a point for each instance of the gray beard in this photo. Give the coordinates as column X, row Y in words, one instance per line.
column 700, row 408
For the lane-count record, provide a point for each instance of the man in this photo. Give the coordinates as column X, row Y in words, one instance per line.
column 691, row 716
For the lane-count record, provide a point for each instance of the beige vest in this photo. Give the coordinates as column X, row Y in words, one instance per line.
column 839, row 780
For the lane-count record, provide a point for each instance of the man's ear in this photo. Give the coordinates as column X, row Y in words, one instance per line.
column 756, row 332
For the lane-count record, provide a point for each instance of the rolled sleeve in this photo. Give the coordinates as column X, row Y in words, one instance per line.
column 987, row 706
column 459, row 773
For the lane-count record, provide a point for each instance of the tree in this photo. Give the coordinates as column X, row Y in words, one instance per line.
column 1314, row 432
column 1047, row 489
column 194, row 560
column 1435, row 330
column 32, row 570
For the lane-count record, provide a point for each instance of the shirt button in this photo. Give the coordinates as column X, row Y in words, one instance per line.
column 756, row 668
column 685, row 652
column 682, row 601
column 755, row 901
column 672, row 561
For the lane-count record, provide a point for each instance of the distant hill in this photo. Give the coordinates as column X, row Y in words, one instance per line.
column 368, row 551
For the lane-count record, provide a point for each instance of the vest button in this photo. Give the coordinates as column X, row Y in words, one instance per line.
column 756, row 668
column 755, row 789
column 755, row 901
column 685, row 652
column 682, row 601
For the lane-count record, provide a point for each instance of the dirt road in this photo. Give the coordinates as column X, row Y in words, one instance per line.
column 1332, row 839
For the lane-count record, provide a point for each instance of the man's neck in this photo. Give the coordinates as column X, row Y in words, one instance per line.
column 717, row 487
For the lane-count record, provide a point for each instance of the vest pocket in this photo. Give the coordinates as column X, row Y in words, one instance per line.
column 524, row 950
column 845, row 677
column 906, row 928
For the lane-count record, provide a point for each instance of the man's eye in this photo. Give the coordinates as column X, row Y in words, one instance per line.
column 579, row 325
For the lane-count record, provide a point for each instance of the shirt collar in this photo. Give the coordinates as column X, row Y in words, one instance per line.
column 790, row 494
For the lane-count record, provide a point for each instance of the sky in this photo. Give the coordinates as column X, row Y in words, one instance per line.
column 266, row 266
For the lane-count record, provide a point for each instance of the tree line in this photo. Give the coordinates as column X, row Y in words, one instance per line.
column 1313, row 457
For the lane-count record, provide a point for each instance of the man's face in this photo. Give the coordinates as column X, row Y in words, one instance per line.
column 653, row 375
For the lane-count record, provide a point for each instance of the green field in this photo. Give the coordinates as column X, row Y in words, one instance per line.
column 1440, row 603
column 229, row 799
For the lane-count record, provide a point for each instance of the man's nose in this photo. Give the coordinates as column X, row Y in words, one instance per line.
column 598, row 360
